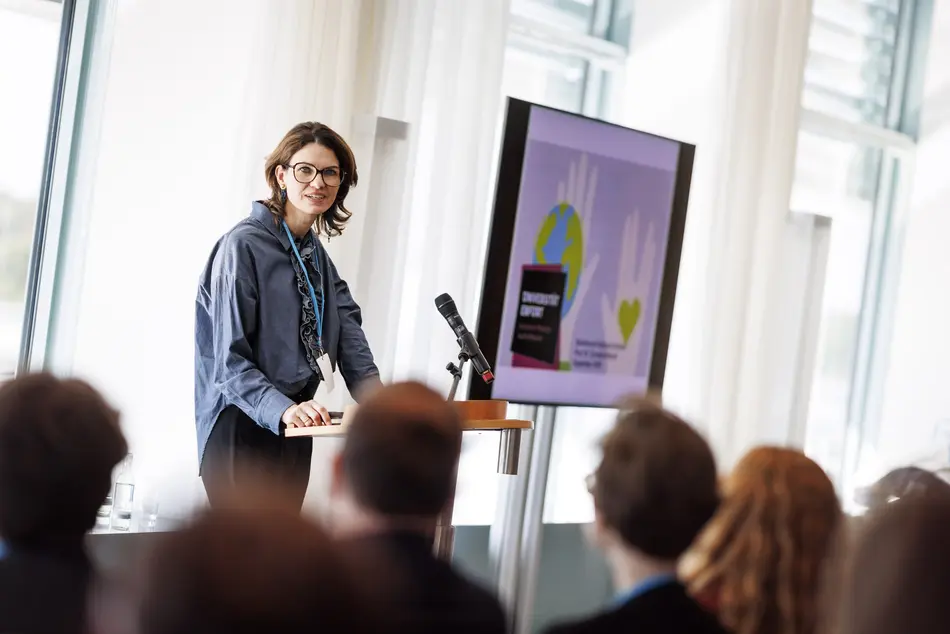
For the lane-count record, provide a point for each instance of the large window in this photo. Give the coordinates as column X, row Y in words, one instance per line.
column 855, row 68
column 29, row 41
column 852, row 163
column 566, row 53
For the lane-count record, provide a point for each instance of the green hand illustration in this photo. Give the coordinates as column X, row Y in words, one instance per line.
column 621, row 314
column 627, row 318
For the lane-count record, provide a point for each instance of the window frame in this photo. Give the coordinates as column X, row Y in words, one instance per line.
column 896, row 138
column 602, row 56
column 45, row 247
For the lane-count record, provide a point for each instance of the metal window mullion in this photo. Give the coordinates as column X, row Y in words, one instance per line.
column 591, row 102
column 601, row 19
column 918, row 40
column 49, row 209
column 867, row 317
column 900, row 64
column 888, row 284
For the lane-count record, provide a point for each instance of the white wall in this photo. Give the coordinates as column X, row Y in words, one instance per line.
column 916, row 393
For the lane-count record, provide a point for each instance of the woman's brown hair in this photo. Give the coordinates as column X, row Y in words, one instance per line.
column 332, row 221
column 762, row 558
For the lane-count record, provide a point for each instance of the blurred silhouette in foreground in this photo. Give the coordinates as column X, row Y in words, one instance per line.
column 59, row 441
column 899, row 572
column 251, row 565
column 394, row 476
column 901, row 484
column 761, row 561
column 654, row 490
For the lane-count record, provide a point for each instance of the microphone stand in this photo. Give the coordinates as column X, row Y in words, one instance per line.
column 444, row 531
column 456, row 372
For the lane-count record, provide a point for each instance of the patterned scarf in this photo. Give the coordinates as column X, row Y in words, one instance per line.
column 308, row 320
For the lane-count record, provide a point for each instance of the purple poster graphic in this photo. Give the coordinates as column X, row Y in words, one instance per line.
column 596, row 201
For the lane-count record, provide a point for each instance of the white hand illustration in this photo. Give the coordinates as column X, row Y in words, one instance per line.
column 580, row 191
column 623, row 315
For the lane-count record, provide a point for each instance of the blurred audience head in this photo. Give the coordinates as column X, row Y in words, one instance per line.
column 655, row 487
column 901, row 484
column 761, row 560
column 247, row 568
column 399, row 461
column 59, row 442
column 899, row 571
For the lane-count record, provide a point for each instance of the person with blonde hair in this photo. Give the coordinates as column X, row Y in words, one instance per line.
column 759, row 562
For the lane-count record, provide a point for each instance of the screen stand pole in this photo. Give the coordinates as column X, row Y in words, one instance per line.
column 444, row 531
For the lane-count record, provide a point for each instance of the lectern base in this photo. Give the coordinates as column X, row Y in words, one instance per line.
column 509, row 453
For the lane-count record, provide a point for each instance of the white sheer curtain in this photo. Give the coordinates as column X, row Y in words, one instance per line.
column 428, row 201
column 187, row 100
column 745, row 362
column 441, row 74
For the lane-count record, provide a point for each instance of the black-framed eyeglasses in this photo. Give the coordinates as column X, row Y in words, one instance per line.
column 305, row 173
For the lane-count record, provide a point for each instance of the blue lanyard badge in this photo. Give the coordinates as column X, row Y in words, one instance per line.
column 317, row 308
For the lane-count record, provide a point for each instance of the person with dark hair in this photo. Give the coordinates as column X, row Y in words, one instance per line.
column 250, row 569
column 897, row 576
column 274, row 319
column 901, row 484
column 654, row 490
column 394, row 475
column 59, row 442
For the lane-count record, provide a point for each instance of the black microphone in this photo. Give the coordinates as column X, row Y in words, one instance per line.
column 466, row 340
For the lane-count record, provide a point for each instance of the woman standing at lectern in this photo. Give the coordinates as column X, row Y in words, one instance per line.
column 273, row 319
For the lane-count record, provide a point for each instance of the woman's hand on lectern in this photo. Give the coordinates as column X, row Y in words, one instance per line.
column 306, row 414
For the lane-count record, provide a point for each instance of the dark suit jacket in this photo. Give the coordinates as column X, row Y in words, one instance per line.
column 44, row 592
column 421, row 594
column 666, row 609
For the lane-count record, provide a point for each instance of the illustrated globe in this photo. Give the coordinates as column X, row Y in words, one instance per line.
column 561, row 241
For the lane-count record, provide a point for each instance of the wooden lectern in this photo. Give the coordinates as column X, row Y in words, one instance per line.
column 476, row 416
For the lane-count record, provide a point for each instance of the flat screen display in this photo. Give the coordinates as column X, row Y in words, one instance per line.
column 583, row 257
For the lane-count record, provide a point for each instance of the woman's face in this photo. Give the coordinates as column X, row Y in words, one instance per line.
column 317, row 196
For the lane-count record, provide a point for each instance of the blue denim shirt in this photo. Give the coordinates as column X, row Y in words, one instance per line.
column 248, row 348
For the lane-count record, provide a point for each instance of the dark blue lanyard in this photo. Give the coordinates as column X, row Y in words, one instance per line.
column 317, row 308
